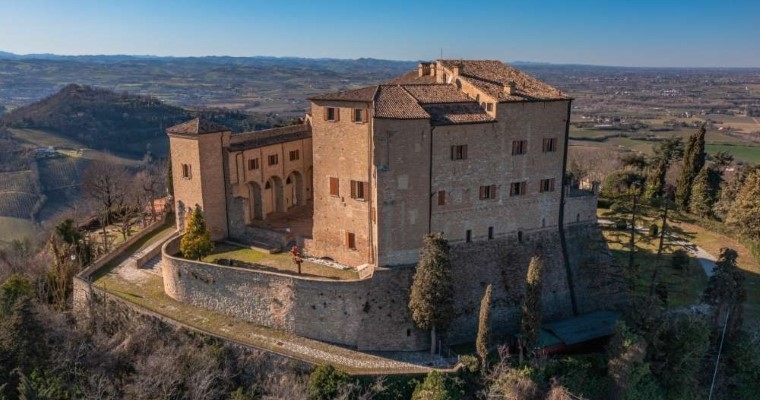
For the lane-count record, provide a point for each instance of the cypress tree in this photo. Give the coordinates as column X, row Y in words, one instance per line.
column 483, row 342
column 531, row 310
column 431, row 297
column 744, row 211
column 196, row 242
column 704, row 192
column 693, row 161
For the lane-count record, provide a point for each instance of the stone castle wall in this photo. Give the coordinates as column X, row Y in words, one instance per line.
column 372, row 314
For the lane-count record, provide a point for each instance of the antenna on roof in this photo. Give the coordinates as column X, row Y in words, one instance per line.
column 441, row 53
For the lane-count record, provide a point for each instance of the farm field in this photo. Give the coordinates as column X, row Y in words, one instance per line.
column 71, row 148
column 746, row 153
column 16, row 229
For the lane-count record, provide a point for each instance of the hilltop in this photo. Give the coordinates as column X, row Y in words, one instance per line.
column 102, row 119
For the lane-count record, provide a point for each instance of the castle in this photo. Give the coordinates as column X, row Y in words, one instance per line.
column 474, row 149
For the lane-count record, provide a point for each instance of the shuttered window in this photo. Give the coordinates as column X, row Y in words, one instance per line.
column 359, row 190
column 487, row 192
column 519, row 147
column 351, row 240
column 332, row 114
column 459, row 152
column 441, row 197
column 547, row 185
column 517, row 189
column 550, row 145
column 253, row 163
column 334, row 187
column 359, row 115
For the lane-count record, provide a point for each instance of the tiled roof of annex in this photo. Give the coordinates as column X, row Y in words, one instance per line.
column 197, row 126
column 266, row 137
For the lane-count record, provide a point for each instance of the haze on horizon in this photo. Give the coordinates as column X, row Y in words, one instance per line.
column 646, row 33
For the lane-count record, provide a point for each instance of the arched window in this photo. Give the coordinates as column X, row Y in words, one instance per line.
column 268, row 185
column 288, row 181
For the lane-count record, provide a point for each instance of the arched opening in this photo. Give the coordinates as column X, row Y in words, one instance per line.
column 255, row 201
column 273, row 196
column 459, row 84
column 294, row 190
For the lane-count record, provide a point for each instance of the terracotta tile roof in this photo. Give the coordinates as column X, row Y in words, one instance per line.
column 251, row 140
column 457, row 113
column 412, row 78
column 362, row 94
column 442, row 93
column 492, row 76
column 395, row 102
column 197, row 126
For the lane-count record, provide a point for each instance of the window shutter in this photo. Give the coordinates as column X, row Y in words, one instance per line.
column 337, row 114
column 353, row 115
column 551, row 185
column 325, row 112
column 348, row 239
column 353, row 189
column 482, row 192
column 523, row 185
column 365, row 190
column 441, row 197
column 452, row 152
column 493, row 191
column 464, row 152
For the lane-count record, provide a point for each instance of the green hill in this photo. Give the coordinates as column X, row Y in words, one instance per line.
column 118, row 122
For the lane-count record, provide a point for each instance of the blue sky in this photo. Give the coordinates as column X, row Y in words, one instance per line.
column 605, row 32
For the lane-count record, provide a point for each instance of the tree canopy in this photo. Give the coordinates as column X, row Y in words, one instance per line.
column 431, row 298
column 196, row 242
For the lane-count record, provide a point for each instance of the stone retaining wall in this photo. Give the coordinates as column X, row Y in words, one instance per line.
column 372, row 314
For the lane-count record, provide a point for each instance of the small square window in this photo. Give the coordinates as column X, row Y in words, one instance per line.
column 332, row 114
column 359, row 190
column 351, row 240
column 547, row 185
column 294, row 155
column 273, row 159
column 489, row 107
column 487, row 192
column 459, row 152
column 490, row 232
column 519, row 147
column 253, row 163
column 441, row 197
column 550, row 145
column 334, row 187
column 517, row 189
column 468, row 236
column 358, row 115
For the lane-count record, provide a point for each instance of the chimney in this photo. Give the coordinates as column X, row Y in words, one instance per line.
column 511, row 88
column 456, row 69
column 421, row 69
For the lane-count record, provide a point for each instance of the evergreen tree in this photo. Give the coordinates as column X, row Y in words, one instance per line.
column 730, row 191
column 22, row 343
column 744, row 212
column 665, row 153
column 434, row 387
column 431, row 298
column 531, row 310
column 726, row 291
column 196, row 242
column 704, row 192
column 483, row 342
column 693, row 161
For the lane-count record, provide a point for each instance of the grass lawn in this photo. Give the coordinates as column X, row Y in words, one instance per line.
column 282, row 263
column 747, row 153
column 684, row 289
column 16, row 229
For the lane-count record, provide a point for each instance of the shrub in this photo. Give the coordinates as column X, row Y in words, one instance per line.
column 325, row 382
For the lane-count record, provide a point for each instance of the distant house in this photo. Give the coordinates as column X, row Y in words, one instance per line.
column 45, row 152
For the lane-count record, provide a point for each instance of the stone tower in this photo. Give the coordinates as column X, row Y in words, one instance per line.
column 196, row 149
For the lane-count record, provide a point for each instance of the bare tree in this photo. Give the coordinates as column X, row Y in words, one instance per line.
column 105, row 183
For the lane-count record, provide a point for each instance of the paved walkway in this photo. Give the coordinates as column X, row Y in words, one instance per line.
column 381, row 363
